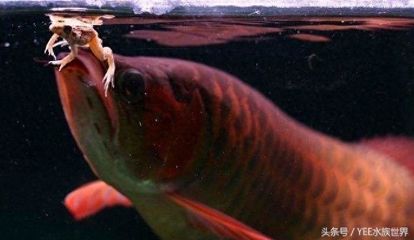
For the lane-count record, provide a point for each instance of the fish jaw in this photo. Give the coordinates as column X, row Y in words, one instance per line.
column 91, row 116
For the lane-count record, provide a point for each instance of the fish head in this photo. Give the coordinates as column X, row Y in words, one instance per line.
column 147, row 128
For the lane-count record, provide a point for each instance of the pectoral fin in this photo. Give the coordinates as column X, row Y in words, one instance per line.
column 216, row 222
column 91, row 198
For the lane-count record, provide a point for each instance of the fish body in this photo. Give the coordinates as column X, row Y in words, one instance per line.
column 195, row 148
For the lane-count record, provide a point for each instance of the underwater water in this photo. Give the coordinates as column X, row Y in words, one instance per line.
column 349, row 77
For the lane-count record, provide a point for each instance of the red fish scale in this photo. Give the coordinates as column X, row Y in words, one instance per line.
column 284, row 179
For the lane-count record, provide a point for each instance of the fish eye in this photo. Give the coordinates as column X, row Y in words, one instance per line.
column 131, row 86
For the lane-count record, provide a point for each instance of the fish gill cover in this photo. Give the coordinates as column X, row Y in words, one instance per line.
column 166, row 6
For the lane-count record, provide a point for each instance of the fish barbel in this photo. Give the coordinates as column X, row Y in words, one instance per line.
column 201, row 155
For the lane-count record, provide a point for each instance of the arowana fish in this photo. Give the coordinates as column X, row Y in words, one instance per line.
column 201, row 155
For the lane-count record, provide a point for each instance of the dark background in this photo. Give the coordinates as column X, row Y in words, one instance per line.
column 361, row 85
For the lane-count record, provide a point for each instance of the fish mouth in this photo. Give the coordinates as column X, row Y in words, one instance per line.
column 90, row 114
